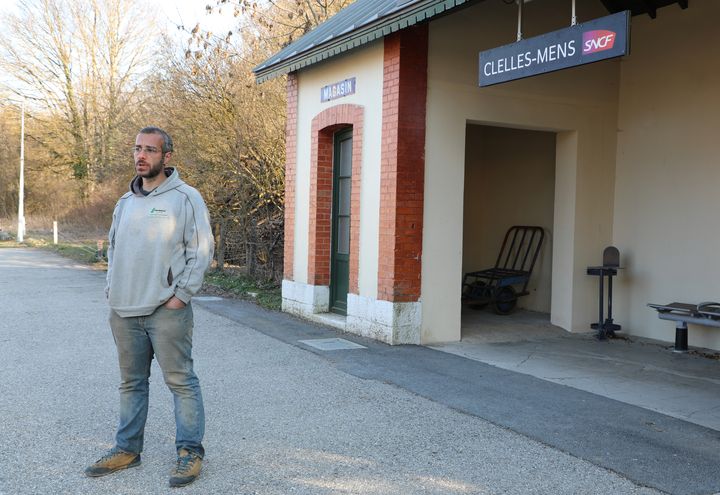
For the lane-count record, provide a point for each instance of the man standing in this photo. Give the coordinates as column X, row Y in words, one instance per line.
column 160, row 245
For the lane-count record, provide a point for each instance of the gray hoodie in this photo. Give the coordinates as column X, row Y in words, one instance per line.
column 160, row 245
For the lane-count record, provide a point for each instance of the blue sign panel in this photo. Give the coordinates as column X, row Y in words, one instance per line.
column 591, row 41
column 337, row 90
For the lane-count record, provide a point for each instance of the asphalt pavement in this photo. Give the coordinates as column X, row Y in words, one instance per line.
column 284, row 417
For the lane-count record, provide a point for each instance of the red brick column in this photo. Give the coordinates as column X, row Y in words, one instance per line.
column 402, row 164
column 324, row 127
column 290, row 176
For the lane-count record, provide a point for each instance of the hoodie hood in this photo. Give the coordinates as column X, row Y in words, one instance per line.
column 172, row 181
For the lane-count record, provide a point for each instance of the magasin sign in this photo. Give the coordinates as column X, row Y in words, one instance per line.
column 337, row 90
column 592, row 41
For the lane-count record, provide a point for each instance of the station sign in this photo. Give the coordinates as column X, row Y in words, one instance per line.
column 591, row 41
column 337, row 90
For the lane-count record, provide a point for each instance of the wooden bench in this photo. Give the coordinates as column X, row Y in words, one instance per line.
column 705, row 313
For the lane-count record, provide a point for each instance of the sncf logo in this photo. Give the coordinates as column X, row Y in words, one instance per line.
column 597, row 41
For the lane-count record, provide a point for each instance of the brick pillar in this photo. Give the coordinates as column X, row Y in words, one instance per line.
column 320, row 227
column 290, row 178
column 402, row 164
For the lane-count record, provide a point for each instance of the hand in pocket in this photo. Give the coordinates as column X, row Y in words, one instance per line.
column 174, row 303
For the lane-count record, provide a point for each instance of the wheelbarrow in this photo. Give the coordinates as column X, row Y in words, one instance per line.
column 502, row 285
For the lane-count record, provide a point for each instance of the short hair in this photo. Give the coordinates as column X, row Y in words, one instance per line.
column 167, row 145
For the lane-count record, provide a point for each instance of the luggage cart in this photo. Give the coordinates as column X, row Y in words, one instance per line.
column 502, row 285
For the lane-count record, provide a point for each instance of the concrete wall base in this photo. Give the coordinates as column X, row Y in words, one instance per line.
column 304, row 299
column 392, row 323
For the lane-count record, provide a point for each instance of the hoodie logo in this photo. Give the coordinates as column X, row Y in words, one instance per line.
column 158, row 213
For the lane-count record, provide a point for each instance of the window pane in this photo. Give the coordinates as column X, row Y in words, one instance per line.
column 343, row 235
column 346, row 158
column 344, row 194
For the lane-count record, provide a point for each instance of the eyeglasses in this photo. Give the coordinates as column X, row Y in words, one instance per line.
column 150, row 150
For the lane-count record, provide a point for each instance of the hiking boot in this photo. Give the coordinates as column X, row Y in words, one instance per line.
column 186, row 470
column 114, row 460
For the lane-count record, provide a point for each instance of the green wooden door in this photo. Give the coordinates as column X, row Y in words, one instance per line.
column 340, row 245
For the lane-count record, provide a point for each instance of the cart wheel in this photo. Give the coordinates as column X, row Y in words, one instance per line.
column 505, row 300
column 476, row 294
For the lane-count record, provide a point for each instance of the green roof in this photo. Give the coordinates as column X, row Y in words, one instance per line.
column 357, row 24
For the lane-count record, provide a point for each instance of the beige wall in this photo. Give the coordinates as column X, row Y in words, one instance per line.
column 667, row 200
column 579, row 104
column 366, row 65
column 509, row 180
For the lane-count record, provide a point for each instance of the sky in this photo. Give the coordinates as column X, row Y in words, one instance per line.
column 176, row 12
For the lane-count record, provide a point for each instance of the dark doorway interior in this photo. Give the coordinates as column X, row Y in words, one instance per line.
column 509, row 180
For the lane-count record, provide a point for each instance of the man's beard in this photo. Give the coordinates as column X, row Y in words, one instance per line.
column 154, row 170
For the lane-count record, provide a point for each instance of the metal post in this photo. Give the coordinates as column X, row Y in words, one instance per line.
column 21, row 197
column 609, row 297
column 55, row 233
column 573, row 19
column 681, row 337
column 520, row 20
column 601, row 318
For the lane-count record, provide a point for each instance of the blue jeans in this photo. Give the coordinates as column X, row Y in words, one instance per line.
column 166, row 333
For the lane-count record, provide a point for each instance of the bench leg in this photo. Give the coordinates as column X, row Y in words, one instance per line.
column 681, row 337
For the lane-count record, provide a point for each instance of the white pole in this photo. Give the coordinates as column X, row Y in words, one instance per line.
column 21, row 199
column 55, row 233
column 520, row 20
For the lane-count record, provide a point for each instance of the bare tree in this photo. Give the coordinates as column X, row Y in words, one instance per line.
column 92, row 75
column 280, row 22
column 79, row 62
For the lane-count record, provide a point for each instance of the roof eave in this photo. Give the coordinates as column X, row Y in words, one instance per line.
column 352, row 39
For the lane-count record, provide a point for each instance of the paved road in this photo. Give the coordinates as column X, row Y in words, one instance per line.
column 282, row 419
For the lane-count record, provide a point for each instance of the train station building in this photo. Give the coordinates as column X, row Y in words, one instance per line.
column 404, row 170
